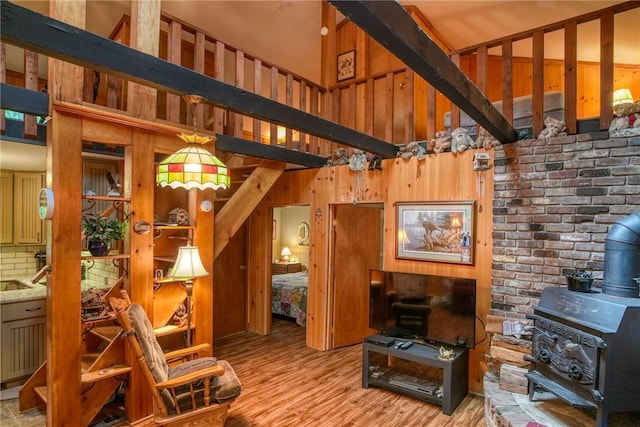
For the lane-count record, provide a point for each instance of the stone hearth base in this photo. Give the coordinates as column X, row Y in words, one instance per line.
column 505, row 409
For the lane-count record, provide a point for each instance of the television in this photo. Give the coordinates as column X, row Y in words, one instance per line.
column 423, row 308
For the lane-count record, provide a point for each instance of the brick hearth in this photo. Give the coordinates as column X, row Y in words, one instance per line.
column 505, row 409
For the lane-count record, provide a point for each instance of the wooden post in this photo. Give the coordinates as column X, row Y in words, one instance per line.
column 139, row 181
column 64, row 176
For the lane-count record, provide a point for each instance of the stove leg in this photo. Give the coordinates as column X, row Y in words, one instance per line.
column 532, row 390
column 601, row 417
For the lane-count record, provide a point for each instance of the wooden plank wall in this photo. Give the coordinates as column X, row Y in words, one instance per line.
column 442, row 177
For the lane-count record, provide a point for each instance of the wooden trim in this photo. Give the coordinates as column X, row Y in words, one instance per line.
column 606, row 69
column 119, row 117
column 507, row 80
column 570, row 76
column 537, row 102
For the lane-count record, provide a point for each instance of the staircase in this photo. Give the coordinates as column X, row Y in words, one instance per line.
column 250, row 182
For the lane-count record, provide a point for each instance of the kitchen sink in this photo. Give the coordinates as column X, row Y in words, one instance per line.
column 12, row 285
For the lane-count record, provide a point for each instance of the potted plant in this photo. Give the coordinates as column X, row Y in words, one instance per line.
column 101, row 231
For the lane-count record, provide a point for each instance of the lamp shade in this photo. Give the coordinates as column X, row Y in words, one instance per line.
column 286, row 252
column 622, row 96
column 193, row 167
column 188, row 265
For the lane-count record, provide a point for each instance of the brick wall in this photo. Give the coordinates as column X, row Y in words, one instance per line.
column 554, row 201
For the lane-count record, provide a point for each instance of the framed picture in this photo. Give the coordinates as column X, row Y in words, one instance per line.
column 274, row 226
column 436, row 231
column 347, row 65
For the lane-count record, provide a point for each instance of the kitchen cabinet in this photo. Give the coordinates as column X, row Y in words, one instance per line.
column 27, row 225
column 19, row 219
column 24, row 338
column 6, row 209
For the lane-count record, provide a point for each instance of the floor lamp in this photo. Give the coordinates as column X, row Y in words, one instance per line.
column 188, row 266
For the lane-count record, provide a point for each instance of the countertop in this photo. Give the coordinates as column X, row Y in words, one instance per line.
column 38, row 290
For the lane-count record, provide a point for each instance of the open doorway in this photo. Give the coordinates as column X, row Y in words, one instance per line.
column 290, row 255
column 357, row 248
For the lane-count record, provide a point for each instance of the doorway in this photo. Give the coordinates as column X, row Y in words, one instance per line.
column 357, row 248
column 290, row 262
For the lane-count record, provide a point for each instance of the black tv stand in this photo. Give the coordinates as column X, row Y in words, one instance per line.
column 449, row 394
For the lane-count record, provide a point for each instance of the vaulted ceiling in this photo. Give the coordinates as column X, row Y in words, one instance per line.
column 288, row 32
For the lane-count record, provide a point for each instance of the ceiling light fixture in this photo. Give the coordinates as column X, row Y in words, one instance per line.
column 193, row 166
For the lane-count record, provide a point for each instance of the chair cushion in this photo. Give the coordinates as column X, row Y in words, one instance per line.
column 153, row 353
column 221, row 389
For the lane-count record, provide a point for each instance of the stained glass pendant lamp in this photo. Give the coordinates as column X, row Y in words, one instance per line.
column 193, row 166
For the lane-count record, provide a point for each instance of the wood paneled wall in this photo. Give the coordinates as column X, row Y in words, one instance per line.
column 438, row 177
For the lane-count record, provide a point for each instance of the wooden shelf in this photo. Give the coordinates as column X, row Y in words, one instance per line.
column 165, row 258
column 112, row 371
column 117, row 256
column 173, row 227
column 108, row 198
column 41, row 392
column 107, row 333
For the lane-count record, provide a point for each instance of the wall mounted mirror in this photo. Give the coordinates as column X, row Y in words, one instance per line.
column 303, row 234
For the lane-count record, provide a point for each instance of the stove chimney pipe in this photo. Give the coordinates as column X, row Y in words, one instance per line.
column 621, row 276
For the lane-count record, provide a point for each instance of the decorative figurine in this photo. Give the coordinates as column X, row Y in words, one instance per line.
column 114, row 185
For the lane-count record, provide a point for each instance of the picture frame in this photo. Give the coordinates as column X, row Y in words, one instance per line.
column 440, row 231
column 346, row 65
column 274, row 226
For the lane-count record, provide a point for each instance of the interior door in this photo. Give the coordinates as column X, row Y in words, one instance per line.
column 229, row 288
column 357, row 235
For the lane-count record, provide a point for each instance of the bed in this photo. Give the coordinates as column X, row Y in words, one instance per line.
column 289, row 296
column 522, row 114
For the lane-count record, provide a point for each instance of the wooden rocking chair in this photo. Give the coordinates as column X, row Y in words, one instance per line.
column 186, row 389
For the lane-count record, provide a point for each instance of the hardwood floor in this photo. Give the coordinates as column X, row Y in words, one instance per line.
column 286, row 384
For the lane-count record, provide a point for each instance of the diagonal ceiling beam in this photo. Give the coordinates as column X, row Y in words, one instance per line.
column 391, row 26
column 263, row 151
column 38, row 33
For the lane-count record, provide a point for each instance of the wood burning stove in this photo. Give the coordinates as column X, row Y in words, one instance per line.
column 585, row 350
column 586, row 345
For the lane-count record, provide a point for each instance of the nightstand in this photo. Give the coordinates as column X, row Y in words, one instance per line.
column 285, row 267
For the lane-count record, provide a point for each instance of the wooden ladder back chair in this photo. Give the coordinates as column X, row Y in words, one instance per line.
column 185, row 387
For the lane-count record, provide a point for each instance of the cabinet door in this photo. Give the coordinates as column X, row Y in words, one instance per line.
column 6, row 210
column 27, row 226
column 23, row 347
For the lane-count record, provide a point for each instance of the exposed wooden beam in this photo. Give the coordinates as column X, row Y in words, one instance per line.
column 33, row 31
column 391, row 26
column 270, row 152
column 27, row 101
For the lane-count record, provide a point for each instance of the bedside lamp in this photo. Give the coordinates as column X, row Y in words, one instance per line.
column 285, row 254
column 188, row 267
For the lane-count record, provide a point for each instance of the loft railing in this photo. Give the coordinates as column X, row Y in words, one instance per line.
column 195, row 49
column 397, row 106
column 587, row 86
column 404, row 107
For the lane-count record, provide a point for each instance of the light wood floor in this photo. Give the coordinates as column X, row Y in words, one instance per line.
column 284, row 383
column 287, row 384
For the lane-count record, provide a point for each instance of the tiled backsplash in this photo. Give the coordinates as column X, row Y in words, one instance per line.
column 18, row 261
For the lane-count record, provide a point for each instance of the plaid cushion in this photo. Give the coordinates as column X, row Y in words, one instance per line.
column 221, row 389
